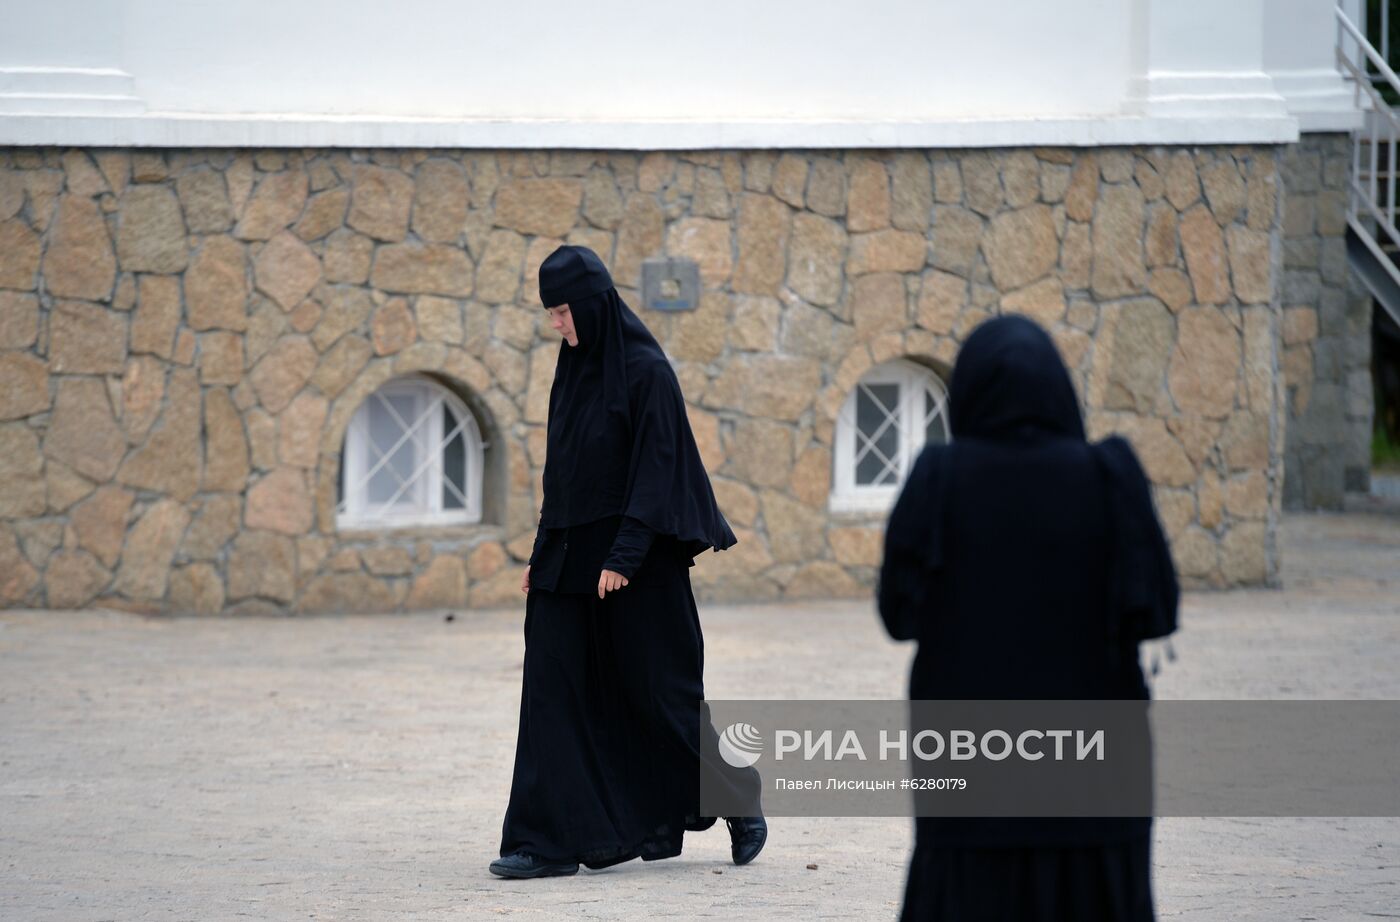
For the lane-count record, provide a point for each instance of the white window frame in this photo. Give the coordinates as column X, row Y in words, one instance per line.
column 913, row 414
column 353, row 508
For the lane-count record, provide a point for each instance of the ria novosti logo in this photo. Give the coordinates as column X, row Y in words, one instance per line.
column 740, row 745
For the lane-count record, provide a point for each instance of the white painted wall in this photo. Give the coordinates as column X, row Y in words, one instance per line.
column 615, row 73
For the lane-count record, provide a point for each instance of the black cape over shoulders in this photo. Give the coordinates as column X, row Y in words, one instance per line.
column 619, row 438
column 1027, row 563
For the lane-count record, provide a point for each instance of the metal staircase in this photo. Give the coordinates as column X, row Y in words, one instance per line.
column 1373, row 240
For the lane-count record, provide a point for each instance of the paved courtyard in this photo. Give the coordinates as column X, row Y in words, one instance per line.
column 349, row 767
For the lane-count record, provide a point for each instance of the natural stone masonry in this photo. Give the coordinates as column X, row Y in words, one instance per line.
column 1326, row 331
column 185, row 335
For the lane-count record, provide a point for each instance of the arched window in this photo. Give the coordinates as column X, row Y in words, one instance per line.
column 893, row 411
column 413, row 456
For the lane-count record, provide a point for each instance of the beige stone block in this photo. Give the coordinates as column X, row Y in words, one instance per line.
column 1299, row 325
column 1204, row 247
column 1117, row 233
column 65, row 486
column 216, row 286
column 796, row 532
column 1042, row 301
column 1261, row 192
column 423, row 268
column 754, row 327
column 789, row 181
column 280, row 502
column 764, row 225
column 78, row 262
column 151, row 231
column 887, row 251
column 868, row 204
column 639, row 237
column 347, row 257
column 1171, row 286
column 698, row 336
column 380, row 202
column 982, row 186
column 300, row 430
column 1175, row 508
column 1205, row 364
column 388, row 561
column 23, row 491
column 143, row 391
column 1210, row 500
column 220, row 358
column 196, row 589
column 1076, row 256
column 1149, row 180
column 306, row 315
column 1183, row 185
column 82, row 432
column 17, row 576
column 602, row 202
column 442, row 584
column 325, row 212
column 86, row 339
column 1244, row 554
column 283, row 371
column 1020, row 177
column 811, row 476
column 339, row 366
column 1083, row 189
column 1197, row 436
column 1260, row 356
column 440, row 200
column 1162, row 456
column 1020, row 246
column 1195, row 553
column 19, row 320
column 227, row 467
column 542, row 207
column 878, row 304
column 857, row 546
column 150, row 546
column 286, row 270
column 438, row 319
column 707, row 241
column 1225, row 190
column 172, row 459
column 771, row 386
column 737, row 502
column 827, row 188
column 204, row 200
column 1245, row 441
column 759, row 452
column 157, row 316
column 655, row 171
column 818, row 251
column 486, row 560
column 1249, row 264
column 275, row 203
column 535, row 254
column 823, row 579
column 911, row 186
column 1135, row 344
column 73, row 579
column 501, row 590
column 1160, row 243
column 392, row 328
column 498, row 276
column 262, row 564
column 345, row 310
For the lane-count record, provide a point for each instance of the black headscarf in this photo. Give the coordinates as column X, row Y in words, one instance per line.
column 619, row 439
column 1009, row 379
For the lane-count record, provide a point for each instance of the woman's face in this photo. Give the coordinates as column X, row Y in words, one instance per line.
column 563, row 323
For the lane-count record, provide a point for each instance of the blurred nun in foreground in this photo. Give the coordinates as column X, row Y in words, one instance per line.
column 1028, row 564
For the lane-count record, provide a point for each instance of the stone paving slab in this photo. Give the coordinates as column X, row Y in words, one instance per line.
column 356, row 767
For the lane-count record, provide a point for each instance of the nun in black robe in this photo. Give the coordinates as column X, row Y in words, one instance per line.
column 1027, row 564
column 613, row 728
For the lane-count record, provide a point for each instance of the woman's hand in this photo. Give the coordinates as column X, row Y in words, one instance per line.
column 525, row 583
column 609, row 581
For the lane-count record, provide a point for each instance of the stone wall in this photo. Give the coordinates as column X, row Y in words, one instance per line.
column 1326, row 331
column 184, row 336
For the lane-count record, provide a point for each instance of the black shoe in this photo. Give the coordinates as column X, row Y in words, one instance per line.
column 746, row 837
column 524, row 865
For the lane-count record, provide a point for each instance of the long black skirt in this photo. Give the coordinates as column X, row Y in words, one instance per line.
column 613, row 728
column 1106, row 883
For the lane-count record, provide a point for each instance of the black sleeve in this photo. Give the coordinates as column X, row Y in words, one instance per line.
column 1145, row 590
column 913, row 542
column 539, row 539
column 629, row 547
